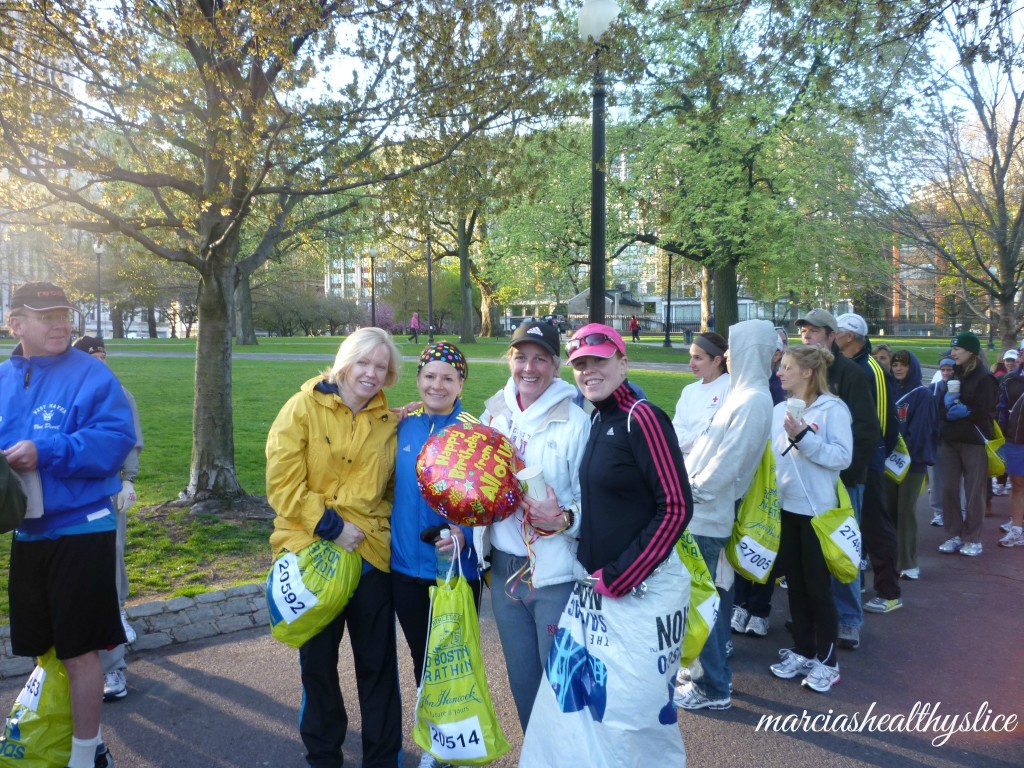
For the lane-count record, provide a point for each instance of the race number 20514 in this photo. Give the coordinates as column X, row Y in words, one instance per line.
column 459, row 740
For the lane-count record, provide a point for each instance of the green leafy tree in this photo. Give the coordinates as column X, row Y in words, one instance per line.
column 172, row 123
column 954, row 174
column 733, row 100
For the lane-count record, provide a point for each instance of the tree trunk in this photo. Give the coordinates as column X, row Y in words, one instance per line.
column 212, row 472
column 1007, row 322
column 116, row 322
column 706, row 286
column 465, row 285
column 151, row 321
column 726, row 307
column 245, row 332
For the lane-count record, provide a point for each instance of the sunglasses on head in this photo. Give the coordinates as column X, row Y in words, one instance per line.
column 590, row 340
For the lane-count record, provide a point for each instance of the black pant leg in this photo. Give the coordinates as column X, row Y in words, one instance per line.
column 323, row 721
column 370, row 619
column 879, row 536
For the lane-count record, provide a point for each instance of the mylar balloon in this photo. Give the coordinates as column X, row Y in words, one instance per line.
column 467, row 473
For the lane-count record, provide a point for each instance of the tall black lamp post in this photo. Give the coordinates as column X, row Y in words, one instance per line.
column 668, row 305
column 430, row 293
column 97, row 248
column 595, row 18
column 373, row 286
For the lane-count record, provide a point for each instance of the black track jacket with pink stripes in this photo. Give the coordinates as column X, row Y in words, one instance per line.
column 636, row 496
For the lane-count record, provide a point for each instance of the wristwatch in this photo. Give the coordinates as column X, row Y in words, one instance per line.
column 570, row 517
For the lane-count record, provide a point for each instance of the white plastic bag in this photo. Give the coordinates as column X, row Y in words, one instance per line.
column 606, row 697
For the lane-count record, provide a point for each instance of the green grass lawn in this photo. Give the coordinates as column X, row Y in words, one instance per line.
column 177, row 553
column 173, row 552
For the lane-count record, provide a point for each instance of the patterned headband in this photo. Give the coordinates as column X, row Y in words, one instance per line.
column 446, row 353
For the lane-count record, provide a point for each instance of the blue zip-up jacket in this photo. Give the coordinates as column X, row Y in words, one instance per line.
column 411, row 514
column 74, row 409
column 917, row 417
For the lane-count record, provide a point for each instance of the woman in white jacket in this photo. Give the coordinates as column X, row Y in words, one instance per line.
column 532, row 553
column 721, row 467
column 809, row 452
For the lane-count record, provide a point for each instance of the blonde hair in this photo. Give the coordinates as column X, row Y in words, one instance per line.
column 814, row 358
column 361, row 343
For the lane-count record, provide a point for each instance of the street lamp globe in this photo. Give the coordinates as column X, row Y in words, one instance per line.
column 595, row 18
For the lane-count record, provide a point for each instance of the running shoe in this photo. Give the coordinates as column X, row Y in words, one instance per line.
column 115, row 686
column 971, row 549
column 688, row 697
column 822, row 677
column 951, row 546
column 757, row 626
column 881, row 605
column 791, row 664
column 740, row 617
column 1013, row 538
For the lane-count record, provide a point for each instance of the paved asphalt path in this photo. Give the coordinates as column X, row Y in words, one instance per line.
column 234, row 701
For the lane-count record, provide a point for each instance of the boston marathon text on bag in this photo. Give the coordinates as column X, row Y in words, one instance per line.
column 455, row 719
column 754, row 543
column 37, row 733
column 306, row 591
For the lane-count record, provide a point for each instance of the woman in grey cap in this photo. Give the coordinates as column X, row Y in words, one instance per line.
column 532, row 552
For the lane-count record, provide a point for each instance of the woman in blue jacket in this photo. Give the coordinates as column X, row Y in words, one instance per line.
column 918, row 422
column 440, row 375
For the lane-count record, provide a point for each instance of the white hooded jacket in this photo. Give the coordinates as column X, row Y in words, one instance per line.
column 723, row 460
column 551, row 433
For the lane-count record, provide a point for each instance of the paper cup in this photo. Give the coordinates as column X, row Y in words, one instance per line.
column 953, row 385
column 795, row 407
column 532, row 479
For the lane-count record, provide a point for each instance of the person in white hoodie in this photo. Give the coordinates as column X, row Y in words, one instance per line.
column 810, row 451
column 533, row 552
column 721, row 467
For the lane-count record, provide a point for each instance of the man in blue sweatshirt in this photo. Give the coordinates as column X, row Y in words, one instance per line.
column 65, row 428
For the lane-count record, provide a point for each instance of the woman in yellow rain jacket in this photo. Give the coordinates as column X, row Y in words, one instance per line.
column 330, row 466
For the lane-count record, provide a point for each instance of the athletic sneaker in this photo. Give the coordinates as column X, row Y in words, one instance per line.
column 757, row 626
column 1013, row 538
column 911, row 573
column 951, row 546
column 848, row 637
column 791, row 665
column 881, row 605
column 821, row 677
column 693, row 672
column 129, row 632
column 103, row 757
column 688, row 697
column 740, row 617
column 729, row 649
column 781, row 583
column 427, row 761
column 115, row 686
column 937, row 519
column 971, row 549
column 1005, row 527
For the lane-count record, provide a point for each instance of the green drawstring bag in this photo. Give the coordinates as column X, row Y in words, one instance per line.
column 897, row 465
column 754, row 543
column 455, row 719
column 704, row 599
column 839, row 536
column 38, row 731
column 308, row 589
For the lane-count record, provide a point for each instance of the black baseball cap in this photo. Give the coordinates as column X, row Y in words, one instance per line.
column 41, row 297
column 90, row 344
column 537, row 332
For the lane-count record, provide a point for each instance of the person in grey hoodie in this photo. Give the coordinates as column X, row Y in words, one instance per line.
column 721, row 467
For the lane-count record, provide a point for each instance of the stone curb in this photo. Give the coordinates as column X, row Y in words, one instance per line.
column 171, row 622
